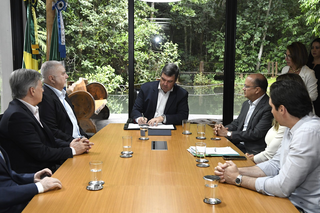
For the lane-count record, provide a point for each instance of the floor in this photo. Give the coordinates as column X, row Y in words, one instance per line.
column 122, row 118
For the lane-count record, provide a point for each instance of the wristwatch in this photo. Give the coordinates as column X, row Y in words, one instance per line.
column 229, row 134
column 238, row 180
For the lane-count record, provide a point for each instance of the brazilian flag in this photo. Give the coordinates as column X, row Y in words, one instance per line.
column 31, row 45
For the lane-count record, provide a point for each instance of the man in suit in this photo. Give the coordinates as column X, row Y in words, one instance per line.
column 162, row 101
column 56, row 109
column 16, row 190
column 248, row 131
column 294, row 170
column 29, row 142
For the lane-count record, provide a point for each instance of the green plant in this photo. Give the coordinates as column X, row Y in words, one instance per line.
column 201, row 79
column 106, row 76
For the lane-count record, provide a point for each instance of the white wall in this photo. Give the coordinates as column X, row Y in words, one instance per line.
column 6, row 60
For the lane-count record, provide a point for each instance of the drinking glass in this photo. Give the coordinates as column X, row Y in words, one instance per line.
column 96, row 173
column 186, row 127
column 210, row 189
column 200, row 154
column 144, row 132
column 201, row 131
column 126, row 147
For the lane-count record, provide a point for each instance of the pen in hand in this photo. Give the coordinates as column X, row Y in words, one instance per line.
column 144, row 119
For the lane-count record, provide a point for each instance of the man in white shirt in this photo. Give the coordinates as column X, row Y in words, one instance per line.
column 295, row 169
column 248, row 131
column 56, row 109
column 162, row 101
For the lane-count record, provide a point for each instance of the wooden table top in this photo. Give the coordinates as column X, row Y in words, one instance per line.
column 150, row 181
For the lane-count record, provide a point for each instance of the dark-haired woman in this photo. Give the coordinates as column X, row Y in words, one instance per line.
column 296, row 57
column 314, row 63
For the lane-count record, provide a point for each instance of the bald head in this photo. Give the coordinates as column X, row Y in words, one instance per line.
column 260, row 81
column 255, row 86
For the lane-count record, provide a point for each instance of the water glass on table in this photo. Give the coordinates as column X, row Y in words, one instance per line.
column 96, row 181
column 200, row 154
column 144, row 132
column 186, row 127
column 126, row 147
column 201, row 131
column 210, row 189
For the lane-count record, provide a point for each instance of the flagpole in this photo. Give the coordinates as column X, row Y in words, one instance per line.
column 50, row 18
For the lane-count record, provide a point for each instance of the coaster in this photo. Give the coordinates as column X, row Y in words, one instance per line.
column 212, row 201
column 94, row 187
column 203, row 165
column 126, row 156
column 201, row 138
column 216, row 139
column 127, row 153
column 144, row 139
column 100, row 182
column 202, row 160
column 187, row 133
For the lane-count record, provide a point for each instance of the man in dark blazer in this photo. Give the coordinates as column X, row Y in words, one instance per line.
column 248, row 131
column 162, row 101
column 29, row 143
column 16, row 190
column 56, row 109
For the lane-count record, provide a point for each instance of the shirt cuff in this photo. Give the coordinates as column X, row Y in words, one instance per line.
column 73, row 151
column 40, row 187
column 259, row 185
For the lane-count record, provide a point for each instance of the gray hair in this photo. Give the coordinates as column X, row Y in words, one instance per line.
column 21, row 80
column 48, row 67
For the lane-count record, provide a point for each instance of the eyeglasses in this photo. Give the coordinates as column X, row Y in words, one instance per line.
column 247, row 87
column 287, row 56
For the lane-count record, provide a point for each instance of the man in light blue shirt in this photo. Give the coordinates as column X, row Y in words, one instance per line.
column 294, row 171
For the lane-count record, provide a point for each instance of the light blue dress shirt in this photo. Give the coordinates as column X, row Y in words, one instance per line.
column 294, row 171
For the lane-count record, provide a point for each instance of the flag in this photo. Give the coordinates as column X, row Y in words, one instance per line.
column 57, row 46
column 54, row 46
column 31, row 45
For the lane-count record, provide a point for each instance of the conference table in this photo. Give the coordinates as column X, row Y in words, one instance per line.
column 151, row 181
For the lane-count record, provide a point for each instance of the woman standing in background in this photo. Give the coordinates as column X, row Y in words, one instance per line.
column 296, row 57
column 314, row 63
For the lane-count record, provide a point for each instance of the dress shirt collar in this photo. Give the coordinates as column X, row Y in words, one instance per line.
column 60, row 94
column 300, row 122
column 159, row 88
column 255, row 102
column 33, row 109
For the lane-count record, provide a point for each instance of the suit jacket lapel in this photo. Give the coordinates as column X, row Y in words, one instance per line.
column 261, row 103
column 172, row 97
column 45, row 128
column 56, row 98
column 242, row 120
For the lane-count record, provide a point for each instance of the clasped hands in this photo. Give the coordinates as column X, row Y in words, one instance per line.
column 151, row 122
column 81, row 145
column 220, row 130
column 227, row 172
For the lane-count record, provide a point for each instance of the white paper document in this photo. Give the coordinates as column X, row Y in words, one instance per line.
column 160, row 126
column 215, row 151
